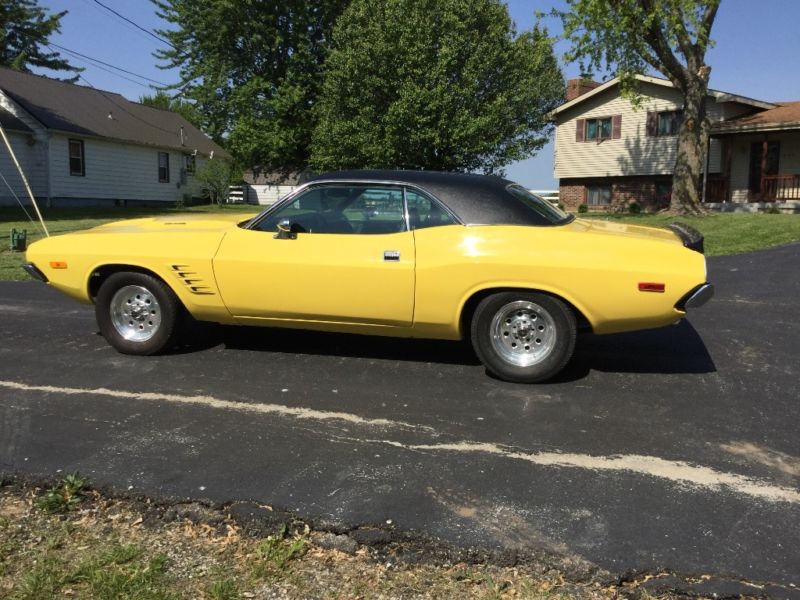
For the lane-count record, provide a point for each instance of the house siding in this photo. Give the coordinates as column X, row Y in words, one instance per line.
column 31, row 151
column 266, row 194
column 115, row 171
column 32, row 160
column 634, row 153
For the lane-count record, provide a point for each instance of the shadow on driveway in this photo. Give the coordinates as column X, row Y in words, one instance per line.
column 675, row 349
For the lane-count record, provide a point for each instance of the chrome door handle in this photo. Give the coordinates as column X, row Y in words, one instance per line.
column 391, row 255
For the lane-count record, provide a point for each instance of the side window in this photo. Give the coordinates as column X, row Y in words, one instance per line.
column 76, row 158
column 163, row 167
column 425, row 212
column 342, row 208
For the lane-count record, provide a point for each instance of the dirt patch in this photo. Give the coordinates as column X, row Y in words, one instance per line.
column 141, row 548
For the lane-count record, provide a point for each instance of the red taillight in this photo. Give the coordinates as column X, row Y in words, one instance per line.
column 652, row 287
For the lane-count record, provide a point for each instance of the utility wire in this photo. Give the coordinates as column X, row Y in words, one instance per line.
column 91, row 64
column 97, row 60
column 147, row 31
column 125, row 110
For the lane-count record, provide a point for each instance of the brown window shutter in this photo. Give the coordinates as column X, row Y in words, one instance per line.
column 580, row 127
column 616, row 127
column 652, row 123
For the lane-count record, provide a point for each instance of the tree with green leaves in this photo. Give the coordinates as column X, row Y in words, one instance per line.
column 668, row 36
column 434, row 84
column 217, row 177
column 25, row 28
column 172, row 103
column 253, row 71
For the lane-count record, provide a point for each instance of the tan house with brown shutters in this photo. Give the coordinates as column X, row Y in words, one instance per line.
column 609, row 153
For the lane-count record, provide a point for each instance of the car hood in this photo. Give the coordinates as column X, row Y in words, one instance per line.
column 178, row 222
column 614, row 228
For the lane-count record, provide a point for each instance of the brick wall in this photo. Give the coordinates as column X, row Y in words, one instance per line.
column 578, row 87
column 624, row 191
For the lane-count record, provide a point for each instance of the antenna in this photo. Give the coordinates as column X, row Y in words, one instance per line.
column 24, row 179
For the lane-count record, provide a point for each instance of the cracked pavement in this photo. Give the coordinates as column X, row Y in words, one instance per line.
column 672, row 449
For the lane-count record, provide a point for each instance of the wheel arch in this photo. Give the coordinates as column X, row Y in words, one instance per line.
column 471, row 303
column 101, row 273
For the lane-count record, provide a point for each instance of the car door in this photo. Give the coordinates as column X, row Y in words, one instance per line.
column 334, row 253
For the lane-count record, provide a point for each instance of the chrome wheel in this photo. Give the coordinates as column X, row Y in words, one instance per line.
column 523, row 333
column 135, row 313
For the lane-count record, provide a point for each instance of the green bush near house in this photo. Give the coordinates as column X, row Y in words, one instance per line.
column 583, row 208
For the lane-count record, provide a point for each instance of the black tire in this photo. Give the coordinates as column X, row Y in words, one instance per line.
column 523, row 337
column 150, row 326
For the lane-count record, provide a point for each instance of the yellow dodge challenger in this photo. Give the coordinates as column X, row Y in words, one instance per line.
column 394, row 253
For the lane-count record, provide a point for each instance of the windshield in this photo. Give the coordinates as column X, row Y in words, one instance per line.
column 544, row 209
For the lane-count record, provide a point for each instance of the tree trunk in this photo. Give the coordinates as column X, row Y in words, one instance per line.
column 692, row 145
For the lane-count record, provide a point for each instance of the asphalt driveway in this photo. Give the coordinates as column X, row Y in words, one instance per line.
column 672, row 449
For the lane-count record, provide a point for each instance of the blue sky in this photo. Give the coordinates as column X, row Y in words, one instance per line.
column 755, row 53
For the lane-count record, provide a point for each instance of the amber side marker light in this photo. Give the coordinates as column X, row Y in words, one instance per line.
column 652, row 287
column 57, row 264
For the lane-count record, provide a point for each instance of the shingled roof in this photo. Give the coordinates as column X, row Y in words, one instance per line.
column 785, row 116
column 85, row 111
column 9, row 121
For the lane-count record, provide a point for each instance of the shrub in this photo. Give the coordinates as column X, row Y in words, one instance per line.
column 583, row 208
column 634, row 208
column 217, row 177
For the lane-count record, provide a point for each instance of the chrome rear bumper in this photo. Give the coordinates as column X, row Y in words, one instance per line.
column 697, row 297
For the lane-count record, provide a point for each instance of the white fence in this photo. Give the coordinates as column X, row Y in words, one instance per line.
column 549, row 195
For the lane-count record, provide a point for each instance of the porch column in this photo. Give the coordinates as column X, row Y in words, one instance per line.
column 726, row 169
column 764, row 154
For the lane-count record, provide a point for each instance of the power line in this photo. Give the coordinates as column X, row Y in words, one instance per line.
column 125, row 110
column 147, row 31
column 139, row 83
column 97, row 60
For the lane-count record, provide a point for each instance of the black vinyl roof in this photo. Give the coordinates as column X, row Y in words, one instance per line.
column 475, row 199
column 84, row 111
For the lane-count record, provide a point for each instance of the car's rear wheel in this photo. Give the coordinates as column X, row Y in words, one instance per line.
column 523, row 337
column 137, row 313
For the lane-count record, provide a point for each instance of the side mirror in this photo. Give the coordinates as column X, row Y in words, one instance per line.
column 285, row 230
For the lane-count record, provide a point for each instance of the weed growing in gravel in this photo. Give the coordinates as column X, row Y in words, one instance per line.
column 64, row 496
column 273, row 553
column 223, row 589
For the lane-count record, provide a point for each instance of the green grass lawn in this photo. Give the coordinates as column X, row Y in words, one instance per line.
column 729, row 233
column 725, row 233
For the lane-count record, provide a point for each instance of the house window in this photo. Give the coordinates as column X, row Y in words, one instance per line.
column 598, row 195
column 669, row 122
column 163, row 167
column 598, row 129
column 76, row 161
column 190, row 163
column 664, row 123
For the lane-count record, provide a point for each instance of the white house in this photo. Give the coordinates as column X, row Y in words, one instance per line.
column 609, row 153
column 80, row 146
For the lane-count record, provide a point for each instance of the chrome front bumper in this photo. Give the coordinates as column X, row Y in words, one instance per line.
column 32, row 270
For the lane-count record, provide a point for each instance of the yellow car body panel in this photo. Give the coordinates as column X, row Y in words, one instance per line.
column 224, row 273
column 318, row 277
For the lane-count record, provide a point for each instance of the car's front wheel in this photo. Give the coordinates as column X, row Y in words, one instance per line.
column 523, row 337
column 137, row 313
